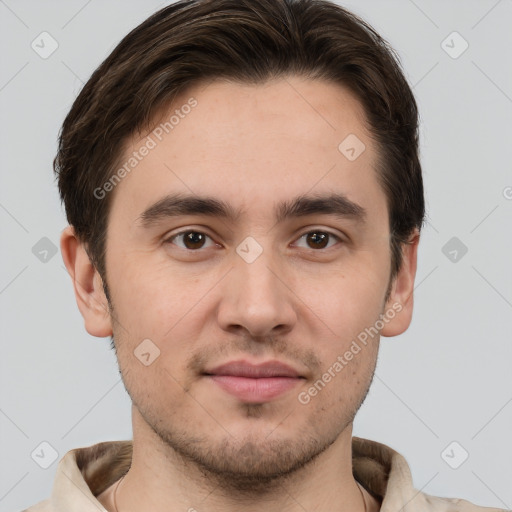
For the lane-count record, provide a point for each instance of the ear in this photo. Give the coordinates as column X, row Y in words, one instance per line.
column 88, row 285
column 401, row 299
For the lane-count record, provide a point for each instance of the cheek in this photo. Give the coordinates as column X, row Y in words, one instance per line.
column 156, row 390
column 347, row 301
column 349, row 308
column 342, row 385
column 156, row 300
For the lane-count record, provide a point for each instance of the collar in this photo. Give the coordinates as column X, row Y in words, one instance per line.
column 84, row 473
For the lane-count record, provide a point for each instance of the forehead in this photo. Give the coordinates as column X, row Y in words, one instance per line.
column 251, row 144
column 307, row 114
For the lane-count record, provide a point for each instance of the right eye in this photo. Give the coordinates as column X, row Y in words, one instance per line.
column 191, row 240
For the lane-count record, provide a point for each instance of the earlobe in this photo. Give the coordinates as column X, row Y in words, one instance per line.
column 399, row 306
column 88, row 285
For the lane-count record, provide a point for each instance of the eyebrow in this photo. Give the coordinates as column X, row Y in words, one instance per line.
column 175, row 205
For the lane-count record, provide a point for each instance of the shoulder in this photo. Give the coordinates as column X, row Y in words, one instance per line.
column 437, row 504
column 385, row 473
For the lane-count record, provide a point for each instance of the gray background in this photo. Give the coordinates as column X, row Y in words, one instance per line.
column 446, row 379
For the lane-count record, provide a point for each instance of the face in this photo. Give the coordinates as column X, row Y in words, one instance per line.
column 261, row 328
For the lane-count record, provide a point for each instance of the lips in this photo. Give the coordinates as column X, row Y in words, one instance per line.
column 254, row 383
column 255, row 371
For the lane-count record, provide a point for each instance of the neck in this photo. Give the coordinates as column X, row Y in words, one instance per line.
column 161, row 480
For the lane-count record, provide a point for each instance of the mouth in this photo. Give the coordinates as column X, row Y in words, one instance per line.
column 254, row 383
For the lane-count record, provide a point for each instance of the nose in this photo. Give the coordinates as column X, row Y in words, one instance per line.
column 257, row 298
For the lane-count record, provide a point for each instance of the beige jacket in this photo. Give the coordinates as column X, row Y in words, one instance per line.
column 84, row 473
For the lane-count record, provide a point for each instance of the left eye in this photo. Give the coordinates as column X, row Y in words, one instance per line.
column 319, row 239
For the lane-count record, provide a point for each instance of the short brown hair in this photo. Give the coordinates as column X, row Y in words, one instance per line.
column 248, row 41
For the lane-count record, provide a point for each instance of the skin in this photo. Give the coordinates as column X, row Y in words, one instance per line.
column 194, row 444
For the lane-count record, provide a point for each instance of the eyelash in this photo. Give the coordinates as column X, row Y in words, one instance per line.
column 322, row 231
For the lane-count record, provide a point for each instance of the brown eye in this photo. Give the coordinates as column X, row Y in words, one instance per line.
column 319, row 239
column 191, row 240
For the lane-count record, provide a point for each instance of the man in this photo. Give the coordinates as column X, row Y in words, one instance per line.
column 245, row 200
